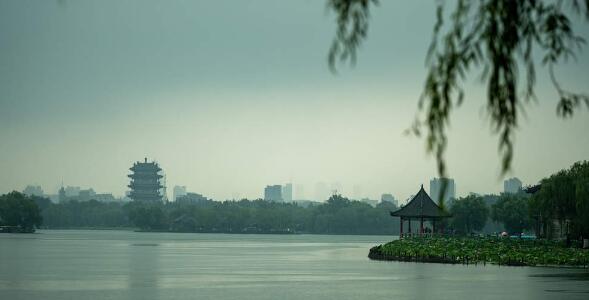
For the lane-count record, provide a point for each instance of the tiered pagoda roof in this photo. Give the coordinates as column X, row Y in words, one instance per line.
column 145, row 181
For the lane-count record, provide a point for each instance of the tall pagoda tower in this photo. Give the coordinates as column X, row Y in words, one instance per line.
column 145, row 182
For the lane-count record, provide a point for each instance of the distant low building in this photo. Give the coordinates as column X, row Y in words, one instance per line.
column 33, row 190
column 103, row 197
column 86, row 195
column 389, row 198
column 512, row 186
column 83, row 195
column 72, row 191
column 273, row 193
column 178, row 191
column 192, row 198
column 306, row 203
column 370, row 202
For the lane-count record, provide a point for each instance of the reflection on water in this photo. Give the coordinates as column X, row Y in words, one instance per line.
column 565, row 275
column 128, row 265
column 143, row 268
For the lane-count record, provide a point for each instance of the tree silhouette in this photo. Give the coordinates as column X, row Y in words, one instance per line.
column 19, row 210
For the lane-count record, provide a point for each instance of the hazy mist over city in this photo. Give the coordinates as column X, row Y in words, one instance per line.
column 231, row 96
column 302, row 149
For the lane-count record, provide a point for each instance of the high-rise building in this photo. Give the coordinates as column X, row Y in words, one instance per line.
column 145, row 181
column 62, row 195
column 389, row 198
column 287, row 192
column 178, row 191
column 299, row 192
column 512, row 186
column 435, row 189
column 273, row 193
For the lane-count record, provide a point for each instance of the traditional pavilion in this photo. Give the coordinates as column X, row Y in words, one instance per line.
column 422, row 208
column 145, row 182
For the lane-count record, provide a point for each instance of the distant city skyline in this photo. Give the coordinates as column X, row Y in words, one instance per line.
column 229, row 96
column 283, row 193
column 289, row 191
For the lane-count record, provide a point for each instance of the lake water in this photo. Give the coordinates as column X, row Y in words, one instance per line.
column 73, row 264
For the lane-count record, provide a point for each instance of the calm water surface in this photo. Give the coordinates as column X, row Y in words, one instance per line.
column 74, row 264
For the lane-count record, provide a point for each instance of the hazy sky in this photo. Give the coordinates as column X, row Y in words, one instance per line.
column 229, row 96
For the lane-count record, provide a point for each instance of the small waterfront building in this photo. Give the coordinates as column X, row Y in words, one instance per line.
column 145, row 182
column 421, row 208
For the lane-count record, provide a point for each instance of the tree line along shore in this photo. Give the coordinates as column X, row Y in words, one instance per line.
column 338, row 215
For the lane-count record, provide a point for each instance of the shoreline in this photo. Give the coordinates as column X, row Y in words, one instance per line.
column 134, row 229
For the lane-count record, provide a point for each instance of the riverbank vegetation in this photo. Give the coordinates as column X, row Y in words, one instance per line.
column 482, row 250
column 469, row 214
column 562, row 202
column 558, row 207
column 338, row 215
column 18, row 213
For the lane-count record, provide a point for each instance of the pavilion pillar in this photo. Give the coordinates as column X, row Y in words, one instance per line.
column 442, row 229
column 409, row 226
column 401, row 228
column 421, row 226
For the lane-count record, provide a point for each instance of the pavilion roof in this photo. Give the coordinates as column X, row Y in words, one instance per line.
column 421, row 205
